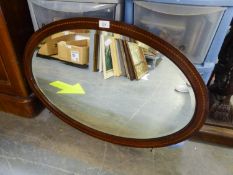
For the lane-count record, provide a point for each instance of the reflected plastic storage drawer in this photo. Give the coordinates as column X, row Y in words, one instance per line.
column 46, row 11
column 205, row 71
column 189, row 28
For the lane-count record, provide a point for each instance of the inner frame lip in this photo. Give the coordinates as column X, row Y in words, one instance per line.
column 173, row 54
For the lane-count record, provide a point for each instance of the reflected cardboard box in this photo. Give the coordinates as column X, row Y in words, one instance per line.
column 76, row 51
column 49, row 46
column 60, row 34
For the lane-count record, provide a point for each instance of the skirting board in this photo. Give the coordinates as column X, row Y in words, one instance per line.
column 23, row 106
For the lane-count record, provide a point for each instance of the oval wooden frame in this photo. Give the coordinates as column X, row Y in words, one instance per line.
column 168, row 50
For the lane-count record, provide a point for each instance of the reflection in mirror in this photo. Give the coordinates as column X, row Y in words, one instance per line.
column 113, row 84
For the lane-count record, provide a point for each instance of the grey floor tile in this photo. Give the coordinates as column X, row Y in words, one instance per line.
column 5, row 167
column 46, row 145
column 25, row 167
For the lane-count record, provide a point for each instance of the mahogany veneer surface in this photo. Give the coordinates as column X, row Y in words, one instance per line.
column 15, row 30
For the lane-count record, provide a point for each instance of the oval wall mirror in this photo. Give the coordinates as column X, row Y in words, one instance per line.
column 116, row 82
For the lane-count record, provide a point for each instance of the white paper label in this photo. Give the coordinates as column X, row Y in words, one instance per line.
column 104, row 24
column 107, row 42
column 80, row 37
column 74, row 56
column 145, row 77
column 66, row 32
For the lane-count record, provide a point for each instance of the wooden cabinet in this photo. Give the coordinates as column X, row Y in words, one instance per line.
column 3, row 74
column 15, row 29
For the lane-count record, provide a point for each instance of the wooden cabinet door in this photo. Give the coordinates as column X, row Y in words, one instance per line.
column 3, row 73
column 11, row 81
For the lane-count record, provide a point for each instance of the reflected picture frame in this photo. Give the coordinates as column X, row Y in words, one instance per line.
column 138, row 60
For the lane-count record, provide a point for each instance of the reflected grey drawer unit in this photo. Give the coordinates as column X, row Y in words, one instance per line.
column 46, row 11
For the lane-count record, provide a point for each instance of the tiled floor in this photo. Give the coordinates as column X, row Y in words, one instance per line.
column 45, row 145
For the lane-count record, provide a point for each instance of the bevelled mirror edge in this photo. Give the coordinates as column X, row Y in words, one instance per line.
column 169, row 51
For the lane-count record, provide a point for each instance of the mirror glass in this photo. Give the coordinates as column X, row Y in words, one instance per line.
column 113, row 84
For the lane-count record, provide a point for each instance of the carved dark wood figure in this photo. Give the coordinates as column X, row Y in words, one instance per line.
column 222, row 88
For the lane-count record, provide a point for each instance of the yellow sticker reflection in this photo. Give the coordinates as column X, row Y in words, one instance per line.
column 67, row 88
